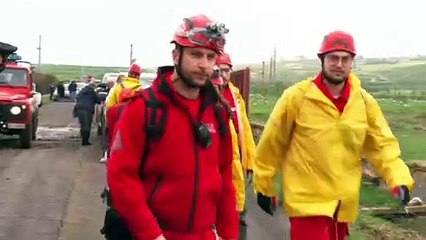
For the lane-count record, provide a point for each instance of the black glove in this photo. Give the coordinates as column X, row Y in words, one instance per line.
column 268, row 204
column 403, row 194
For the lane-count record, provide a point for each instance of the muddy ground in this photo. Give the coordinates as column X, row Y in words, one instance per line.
column 52, row 191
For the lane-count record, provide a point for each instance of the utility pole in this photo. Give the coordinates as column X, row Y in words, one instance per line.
column 39, row 51
column 275, row 63
column 131, row 54
column 263, row 70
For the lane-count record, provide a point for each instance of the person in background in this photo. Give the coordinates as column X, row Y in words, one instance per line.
column 245, row 145
column 72, row 89
column 85, row 108
column 106, row 137
column 51, row 90
column 120, row 78
column 132, row 83
column 61, row 89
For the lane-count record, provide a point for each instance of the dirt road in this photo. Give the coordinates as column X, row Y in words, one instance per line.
column 52, row 191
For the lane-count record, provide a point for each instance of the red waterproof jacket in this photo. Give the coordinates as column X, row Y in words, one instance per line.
column 112, row 116
column 185, row 189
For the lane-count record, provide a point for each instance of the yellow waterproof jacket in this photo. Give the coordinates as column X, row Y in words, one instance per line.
column 114, row 94
column 318, row 150
column 243, row 146
column 245, row 138
column 237, row 171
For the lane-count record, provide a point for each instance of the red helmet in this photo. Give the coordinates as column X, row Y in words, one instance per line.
column 135, row 69
column 201, row 31
column 224, row 58
column 337, row 41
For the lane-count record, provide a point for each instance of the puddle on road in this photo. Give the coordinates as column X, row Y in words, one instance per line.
column 57, row 133
column 46, row 137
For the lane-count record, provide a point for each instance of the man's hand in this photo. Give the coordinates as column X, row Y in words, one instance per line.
column 402, row 193
column 268, row 204
column 161, row 237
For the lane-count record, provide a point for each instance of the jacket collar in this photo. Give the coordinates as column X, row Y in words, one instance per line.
column 315, row 93
column 130, row 79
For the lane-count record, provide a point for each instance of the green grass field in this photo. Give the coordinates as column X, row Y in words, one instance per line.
column 68, row 72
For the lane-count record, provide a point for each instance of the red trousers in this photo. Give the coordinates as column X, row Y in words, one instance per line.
column 318, row 228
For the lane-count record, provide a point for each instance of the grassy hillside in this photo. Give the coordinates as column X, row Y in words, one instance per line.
column 67, row 72
column 382, row 76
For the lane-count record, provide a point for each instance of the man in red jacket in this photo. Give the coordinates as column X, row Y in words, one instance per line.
column 185, row 191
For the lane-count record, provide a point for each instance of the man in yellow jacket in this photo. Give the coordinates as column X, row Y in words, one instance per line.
column 124, row 88
column 132, row 83
column 315, row 135
column 243, row 141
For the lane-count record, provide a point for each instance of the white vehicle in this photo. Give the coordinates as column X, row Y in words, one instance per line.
column 147, row 79
column 112, row 76
column 80, row 85
column 37, row 96
column 109, row 77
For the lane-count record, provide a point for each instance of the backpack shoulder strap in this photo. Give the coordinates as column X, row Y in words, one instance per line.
column 136, row 87
column 155, row 124
column 218, row 111
column 155, row 121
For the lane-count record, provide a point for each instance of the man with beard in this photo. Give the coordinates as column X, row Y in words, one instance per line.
column 184, row 188
column 316, row 135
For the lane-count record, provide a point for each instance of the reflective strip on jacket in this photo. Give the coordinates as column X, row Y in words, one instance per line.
column 319, row 151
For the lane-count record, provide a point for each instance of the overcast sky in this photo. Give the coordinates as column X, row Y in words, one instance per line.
column 99, row 32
